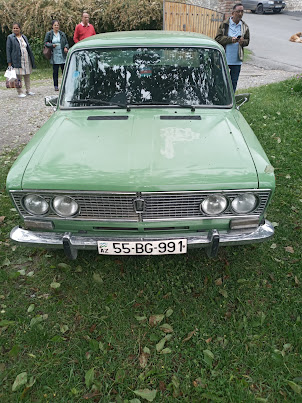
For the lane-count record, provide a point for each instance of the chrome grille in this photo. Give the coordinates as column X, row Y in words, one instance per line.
column 158, row 206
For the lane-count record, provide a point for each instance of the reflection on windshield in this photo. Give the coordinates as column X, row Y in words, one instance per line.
column 146, row 76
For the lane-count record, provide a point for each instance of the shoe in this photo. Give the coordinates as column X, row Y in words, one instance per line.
column 30, row 93
column 22, row 95
column 56, row 88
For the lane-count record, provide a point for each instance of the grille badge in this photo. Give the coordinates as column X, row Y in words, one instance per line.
column 139, row 205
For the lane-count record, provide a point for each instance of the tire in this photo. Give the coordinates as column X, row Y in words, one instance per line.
column 259, row 9
column 277, row 10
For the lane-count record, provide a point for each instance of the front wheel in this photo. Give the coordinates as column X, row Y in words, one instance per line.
column 260, row 9
column 277, row 10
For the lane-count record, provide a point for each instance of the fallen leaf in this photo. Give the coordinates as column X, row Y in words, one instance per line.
column 63, row 328
column 89, row 377
column 55, row 285
column 30, row 273
column 160, row 345
column 288, row 176
column 63, row 266
column 208, row 356
column 38, row 319
column 97, row 278
column 2, row 219
column 146, row 394
column 166, row 328
column 20, row 380
column 166, row 351
column 146, row 350
column 209, row 340
column 140, row 318
column 218, row 281
column 190, row 335
column 155, row 319
column 31, row 308
column 143, row 360
column 169, row 312
column 223, row 292
column 289, row 249
column 296, row 388
column 6, row 322
column 297, row 282
column 273, row 246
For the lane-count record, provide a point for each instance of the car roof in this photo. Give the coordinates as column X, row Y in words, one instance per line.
column 147, row 38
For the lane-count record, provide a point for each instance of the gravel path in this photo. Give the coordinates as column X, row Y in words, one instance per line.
column 20, row 118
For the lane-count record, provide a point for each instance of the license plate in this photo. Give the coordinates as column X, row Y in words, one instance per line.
column 171, row 246
column 278, row 6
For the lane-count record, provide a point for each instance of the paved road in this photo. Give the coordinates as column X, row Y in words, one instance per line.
column 270, row 43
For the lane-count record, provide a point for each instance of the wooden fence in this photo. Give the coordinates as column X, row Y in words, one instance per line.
column 187, row 17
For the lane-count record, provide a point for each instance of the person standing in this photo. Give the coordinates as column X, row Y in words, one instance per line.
column 57, row 41
column 233, row 34
column 20, row 57
column 83, row 29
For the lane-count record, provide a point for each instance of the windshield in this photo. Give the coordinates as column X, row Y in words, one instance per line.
column 121, row 77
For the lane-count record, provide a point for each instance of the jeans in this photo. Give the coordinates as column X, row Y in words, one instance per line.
column 234, row 72
column 55, row 73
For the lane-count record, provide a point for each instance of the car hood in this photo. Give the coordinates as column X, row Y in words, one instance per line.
column 141, row 150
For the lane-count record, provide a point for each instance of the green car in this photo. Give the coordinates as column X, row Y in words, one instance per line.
column 146, row 153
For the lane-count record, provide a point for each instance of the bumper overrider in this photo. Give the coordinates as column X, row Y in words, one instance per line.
column 211, row 240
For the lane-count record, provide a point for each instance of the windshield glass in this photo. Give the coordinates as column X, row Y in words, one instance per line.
column 146, row 76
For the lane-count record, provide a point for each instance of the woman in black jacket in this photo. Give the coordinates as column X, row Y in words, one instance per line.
column 20, row 57
column 57, row 41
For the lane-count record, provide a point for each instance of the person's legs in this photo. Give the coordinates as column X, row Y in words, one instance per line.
column 55, row 75
column 27, row 84
column 234, row 72
column 19, row 90
column 62, row 67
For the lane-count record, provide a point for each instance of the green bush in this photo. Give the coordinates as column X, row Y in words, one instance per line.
column 35, row 18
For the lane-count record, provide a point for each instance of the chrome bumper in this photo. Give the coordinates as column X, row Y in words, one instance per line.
column 210, row 240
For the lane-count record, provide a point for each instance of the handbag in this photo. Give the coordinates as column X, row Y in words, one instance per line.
column 47, row 52
column 13, row 84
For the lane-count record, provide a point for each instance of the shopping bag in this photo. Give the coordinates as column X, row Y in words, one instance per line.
column 13, row 84
column 10, row 74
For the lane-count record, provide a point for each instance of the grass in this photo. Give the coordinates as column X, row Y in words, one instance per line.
column 82, row 330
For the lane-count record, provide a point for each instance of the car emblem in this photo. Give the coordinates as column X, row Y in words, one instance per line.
column 139, row 205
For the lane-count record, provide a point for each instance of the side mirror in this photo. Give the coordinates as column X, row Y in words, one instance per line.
column 241, row 99
column 51, row 100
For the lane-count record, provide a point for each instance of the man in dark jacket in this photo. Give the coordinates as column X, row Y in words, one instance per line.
column 233, row 34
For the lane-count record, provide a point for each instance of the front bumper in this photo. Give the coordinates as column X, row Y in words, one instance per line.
column 209, row 239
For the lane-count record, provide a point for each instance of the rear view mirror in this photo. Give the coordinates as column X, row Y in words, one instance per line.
column 241, row 99
column 51, row 100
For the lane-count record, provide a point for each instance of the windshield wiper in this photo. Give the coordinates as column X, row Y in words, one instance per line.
column 101, row 102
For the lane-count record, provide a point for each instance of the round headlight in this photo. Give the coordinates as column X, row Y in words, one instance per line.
column 65, row 206
column 214, row 204
column 35, row 204
column 244, row 203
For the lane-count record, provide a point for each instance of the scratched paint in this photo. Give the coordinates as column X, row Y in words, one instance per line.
column 172, row 135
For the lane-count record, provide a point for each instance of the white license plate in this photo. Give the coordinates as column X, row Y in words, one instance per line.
column 171, row 246
column 278, row 6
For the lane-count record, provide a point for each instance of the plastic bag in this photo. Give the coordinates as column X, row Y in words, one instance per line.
column 10, row 74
